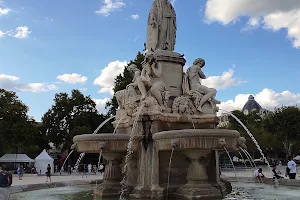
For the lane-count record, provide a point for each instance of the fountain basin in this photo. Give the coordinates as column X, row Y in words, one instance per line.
column 201, row 139
column 94, row 143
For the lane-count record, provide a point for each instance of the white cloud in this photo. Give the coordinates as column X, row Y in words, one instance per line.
column 267, row 98
column 108, row 74
column 271, row 14
column 22, row 32
column 110, row 6
column 135, row 17
column 72, row 78
column 9, row 82
column 100, row 104
column 2, row 34
column 4, row 11
column 224, row 81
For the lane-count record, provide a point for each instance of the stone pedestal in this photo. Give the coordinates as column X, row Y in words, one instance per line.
column 112, row 177
column 172, row 66
column 197, row 186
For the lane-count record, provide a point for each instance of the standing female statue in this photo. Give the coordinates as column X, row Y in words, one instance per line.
column 161, row 33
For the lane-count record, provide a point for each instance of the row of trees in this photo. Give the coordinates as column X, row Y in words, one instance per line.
column 277, row 132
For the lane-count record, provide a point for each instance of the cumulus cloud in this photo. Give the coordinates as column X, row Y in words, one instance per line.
column 100, row 104
column 72, row 78
column 4, row 11
column 9, row 82
column 108, row 74
column 224, row 81
column 110, row 6
column 271, row 14
column 22, row 32
column 2, row 34
column 135, row 17
column 267, row 98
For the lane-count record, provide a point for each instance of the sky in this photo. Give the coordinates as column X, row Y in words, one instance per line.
column 250, row 47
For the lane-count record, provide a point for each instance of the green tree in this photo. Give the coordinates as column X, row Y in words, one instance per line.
column 70, row 116
column 122, row 80
column 16, row 128
column 284, row 124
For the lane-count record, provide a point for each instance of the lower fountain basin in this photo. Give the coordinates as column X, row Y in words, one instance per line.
column 202, row 139
column 94, row 143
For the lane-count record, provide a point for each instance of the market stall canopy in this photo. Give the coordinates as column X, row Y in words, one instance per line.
column 15, row 158
column 42, row 161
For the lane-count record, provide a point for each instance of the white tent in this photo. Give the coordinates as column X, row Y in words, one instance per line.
column 15, row 158
column 42, row 161
column 297, row 158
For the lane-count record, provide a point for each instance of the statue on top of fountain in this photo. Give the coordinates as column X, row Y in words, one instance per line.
column 161, row 31
column 203, row 97
column 147, row 88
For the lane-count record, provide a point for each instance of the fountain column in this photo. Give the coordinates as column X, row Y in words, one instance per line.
column 112, row 176
column 197, row 186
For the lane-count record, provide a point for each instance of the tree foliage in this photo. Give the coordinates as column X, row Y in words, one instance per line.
column 284, row 124
column 69, row 116
column 121, row 81
column 17, row 130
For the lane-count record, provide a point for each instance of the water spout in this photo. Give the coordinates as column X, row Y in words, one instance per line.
column 102, row 124
column 249, row 157
column 115, row 130
column 129, row 152
column 62, row 167
column 251, row 136
column 244, row 161
column 231, row 163
column 169, row 172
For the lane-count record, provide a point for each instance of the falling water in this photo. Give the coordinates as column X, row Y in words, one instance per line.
column 62, row 167
column 231, row 163
column 251, row 136
column 79, row 160
column 244, row 161
column 95, row 132
column 249, row 157
column 118, row 123
column 100, row 155
column 102, row 124
column 129, row 152
column 169, row 172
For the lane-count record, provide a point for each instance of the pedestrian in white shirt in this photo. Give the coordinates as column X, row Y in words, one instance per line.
column 258, row 174
column 291, row 168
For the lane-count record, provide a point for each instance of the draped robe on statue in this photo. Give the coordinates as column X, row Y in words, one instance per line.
column 163, row 36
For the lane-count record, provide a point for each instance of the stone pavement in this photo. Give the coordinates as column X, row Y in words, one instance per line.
column 34, row 179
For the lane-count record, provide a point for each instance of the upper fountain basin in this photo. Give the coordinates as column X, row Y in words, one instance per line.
column 206, row 139
column 94, row 143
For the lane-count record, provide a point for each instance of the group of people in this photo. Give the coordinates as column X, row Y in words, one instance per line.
column 85, row 169
column 291, row 171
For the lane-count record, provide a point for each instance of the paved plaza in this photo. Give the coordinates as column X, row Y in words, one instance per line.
column 29, row 179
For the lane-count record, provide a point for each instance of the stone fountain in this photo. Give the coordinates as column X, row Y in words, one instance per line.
column 164, row 110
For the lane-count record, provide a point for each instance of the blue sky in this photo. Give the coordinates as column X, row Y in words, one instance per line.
column 249, row 48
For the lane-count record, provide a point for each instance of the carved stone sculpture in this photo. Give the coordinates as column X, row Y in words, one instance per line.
column 161, row 33
column 183, row 105
column 192, row 87
column 150, row 81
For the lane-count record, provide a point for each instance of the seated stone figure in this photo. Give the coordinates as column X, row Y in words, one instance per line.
column 191, row 86
column 150, row 82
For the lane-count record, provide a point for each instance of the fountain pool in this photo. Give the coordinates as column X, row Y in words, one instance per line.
column 241, row 191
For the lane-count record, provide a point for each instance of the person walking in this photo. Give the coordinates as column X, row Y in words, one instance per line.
column 48, row 173
column 90, row 168
column 291, row 168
